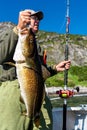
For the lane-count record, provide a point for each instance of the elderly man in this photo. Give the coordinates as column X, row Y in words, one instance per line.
column 10, row 105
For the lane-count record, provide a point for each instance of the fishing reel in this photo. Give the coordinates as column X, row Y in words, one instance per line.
column 67, row 93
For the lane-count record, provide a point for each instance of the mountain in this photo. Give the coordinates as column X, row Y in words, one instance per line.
column 55, row 45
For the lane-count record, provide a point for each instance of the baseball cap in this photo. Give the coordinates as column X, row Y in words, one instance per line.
column 39, row 14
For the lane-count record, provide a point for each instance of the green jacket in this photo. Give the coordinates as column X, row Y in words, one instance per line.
column 11, row 108
column 8, row 41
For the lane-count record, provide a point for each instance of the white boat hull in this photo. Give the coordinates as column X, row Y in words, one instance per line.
column 76, row 118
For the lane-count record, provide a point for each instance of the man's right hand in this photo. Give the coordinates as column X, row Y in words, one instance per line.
column 24, row 19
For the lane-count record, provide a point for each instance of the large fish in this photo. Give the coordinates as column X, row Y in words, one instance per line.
column 29, row 74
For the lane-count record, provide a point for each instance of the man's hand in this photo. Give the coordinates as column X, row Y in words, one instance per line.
column 63, row 65
column 24, row 20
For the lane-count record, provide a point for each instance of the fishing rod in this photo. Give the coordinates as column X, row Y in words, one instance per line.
column 66, row 71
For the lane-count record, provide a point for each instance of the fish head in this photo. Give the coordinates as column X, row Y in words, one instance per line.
column 28, row 45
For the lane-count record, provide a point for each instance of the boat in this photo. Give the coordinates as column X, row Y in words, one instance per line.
column 76, row 118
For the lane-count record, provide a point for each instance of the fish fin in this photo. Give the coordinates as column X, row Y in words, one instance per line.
column 10, row 63
column 37, row 120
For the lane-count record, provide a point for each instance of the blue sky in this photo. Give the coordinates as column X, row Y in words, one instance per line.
column 54, row 14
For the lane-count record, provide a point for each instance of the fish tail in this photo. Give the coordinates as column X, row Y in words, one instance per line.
column 37, row 120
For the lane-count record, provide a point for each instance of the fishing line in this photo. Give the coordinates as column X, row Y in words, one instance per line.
column 63, row 25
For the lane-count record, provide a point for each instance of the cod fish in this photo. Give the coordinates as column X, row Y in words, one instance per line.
column 29, row 74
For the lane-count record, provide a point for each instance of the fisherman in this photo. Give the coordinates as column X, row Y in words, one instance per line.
column 10, row 105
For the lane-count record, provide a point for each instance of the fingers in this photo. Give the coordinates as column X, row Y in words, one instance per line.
column 23, row 31
column 24, row 19
column 67, row 64
column 62, row 66
column 25, row 16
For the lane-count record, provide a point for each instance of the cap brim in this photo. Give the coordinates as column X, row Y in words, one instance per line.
column 39, row 14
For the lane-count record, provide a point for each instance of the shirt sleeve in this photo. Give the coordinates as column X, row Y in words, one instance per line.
column 47, row 71
column 8, row 41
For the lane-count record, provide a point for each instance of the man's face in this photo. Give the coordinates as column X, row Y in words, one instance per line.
column 34, row 23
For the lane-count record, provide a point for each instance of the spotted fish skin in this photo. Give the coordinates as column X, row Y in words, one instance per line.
column 30, row 77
